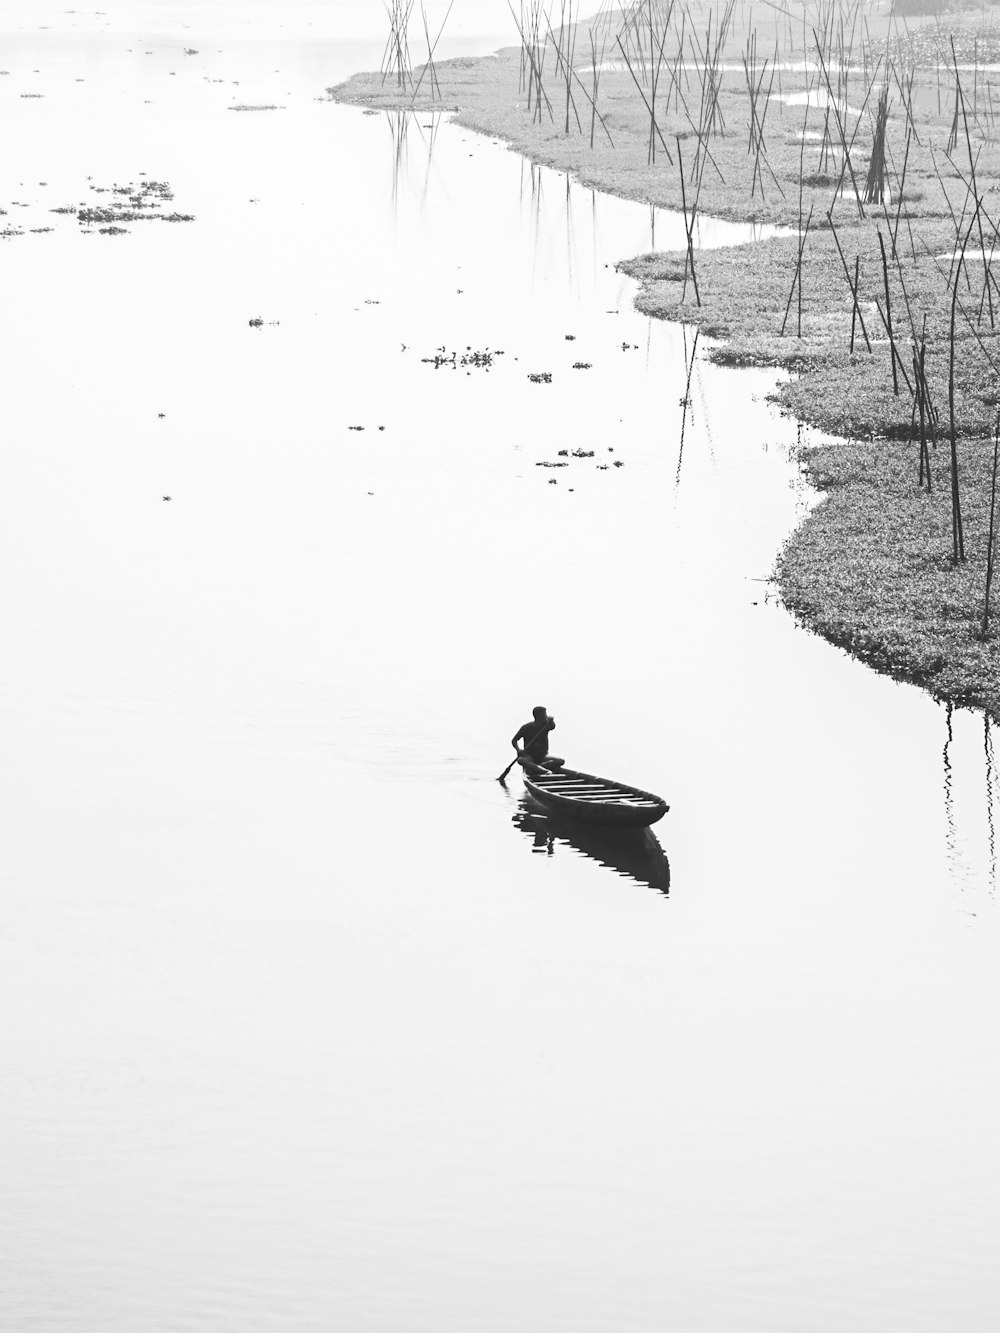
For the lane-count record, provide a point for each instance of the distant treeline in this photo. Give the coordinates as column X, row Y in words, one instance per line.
column 915, row 8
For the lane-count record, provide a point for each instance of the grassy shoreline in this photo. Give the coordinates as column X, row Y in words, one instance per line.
column 871, row 567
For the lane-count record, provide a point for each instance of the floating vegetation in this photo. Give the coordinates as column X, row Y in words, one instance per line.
column 138, row 203
column 255, row 106
column 108, row 231
column 470, row 357
column 581, row 365
column 257, row 323
column 482, row 359
column 32, row 95
column 542, row 377
column 90, row 215
column 38, row 231
column 576, row 453
column 548, row 464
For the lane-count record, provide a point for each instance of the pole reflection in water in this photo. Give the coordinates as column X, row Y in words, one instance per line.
column 570, row 229
column 686, row 400
column 631, row 853
column 429, row 141
column 399, row 124
column 968, row 792
column 949, row 801
column 988, row 750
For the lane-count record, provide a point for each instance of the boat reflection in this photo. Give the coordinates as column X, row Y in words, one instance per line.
column 632, row 853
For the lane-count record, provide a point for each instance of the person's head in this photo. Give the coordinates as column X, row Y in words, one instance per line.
column 539, row 713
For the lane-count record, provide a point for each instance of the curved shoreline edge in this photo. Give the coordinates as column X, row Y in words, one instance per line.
column 870, row 567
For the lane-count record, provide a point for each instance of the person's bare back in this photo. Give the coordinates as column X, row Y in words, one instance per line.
column 534, row 736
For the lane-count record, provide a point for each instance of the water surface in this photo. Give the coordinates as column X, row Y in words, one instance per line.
column 307, row 1022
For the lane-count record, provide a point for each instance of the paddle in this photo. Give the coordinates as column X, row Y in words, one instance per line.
column 517, row 758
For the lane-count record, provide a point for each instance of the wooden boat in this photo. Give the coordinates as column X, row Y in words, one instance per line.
column 591, row 799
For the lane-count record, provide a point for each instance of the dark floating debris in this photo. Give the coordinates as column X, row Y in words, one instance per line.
column 548, row 464
column 190, row 51
column 112, row 231
column 257, row 322
column 38, row 231
column 166, row 497
column 581, row 365
column 543, row 377
column 32, row 94
column 570, row 337
column 576, row 453
column 355, row 427
column 630, row 347
column 481, row 360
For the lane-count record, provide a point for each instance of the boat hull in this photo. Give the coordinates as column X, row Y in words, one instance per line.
column 593, row 800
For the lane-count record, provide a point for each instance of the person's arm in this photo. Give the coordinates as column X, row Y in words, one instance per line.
column 518, row 736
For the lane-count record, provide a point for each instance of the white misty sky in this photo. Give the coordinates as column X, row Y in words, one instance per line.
column 366, row 17
column 341, row 18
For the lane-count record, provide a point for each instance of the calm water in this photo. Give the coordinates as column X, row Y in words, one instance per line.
column 308, row 1023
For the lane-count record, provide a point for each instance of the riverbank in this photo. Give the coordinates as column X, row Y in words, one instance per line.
column 776, row 157
column 872, row 569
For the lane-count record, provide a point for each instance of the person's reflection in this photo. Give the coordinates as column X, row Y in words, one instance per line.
column 543, row 841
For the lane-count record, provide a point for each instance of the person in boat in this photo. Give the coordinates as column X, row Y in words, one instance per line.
column 532, row 740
